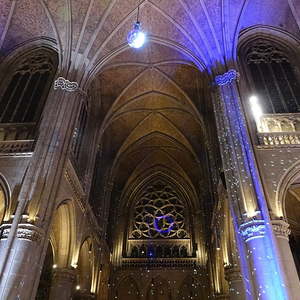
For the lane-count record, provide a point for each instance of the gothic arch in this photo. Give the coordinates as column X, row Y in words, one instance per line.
column 25, row 86
column 85, row 265
column 288, row 204
column 62, row 234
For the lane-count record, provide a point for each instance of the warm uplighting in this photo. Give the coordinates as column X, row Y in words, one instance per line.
column 256, row 108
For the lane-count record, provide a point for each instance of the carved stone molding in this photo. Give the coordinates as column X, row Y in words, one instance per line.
column 281, row 229
column 227, row 78
column 65, row 84
column 64, row 274
column 25, row 232
column 252, row 229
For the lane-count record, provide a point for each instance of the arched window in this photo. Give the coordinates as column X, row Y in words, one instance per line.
column 159, row 222
column 25, row 89
column 273, row 76
column 159, row 213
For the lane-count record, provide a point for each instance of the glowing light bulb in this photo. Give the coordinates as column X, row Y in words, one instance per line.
column 54, row 266
column 136, row 38
column 78, row 287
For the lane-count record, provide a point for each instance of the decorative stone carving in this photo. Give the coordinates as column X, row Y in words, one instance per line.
column 281, row 229
column 65, row 84
column 25, row 231
column 264, row 52
column 8, row 148
column 257, row 228
column 227, row 78
column 159, row 213
column 253, row 229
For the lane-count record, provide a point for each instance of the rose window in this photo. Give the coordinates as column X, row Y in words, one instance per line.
column 159, row 213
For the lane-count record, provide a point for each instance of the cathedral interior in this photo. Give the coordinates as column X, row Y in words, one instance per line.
column 149, row 149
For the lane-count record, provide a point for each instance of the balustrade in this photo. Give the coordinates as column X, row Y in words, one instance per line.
column 17, row 137
column 279, row 130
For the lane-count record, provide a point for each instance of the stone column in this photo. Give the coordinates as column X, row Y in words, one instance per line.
column 27, row 240
column 63, row 284
column 21, row 258
column 282, row 232
column 264, row 276
column 236, row 286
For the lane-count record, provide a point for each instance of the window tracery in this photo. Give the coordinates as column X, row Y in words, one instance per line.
column 159, row 213
column 24, row 96
column 274, row 77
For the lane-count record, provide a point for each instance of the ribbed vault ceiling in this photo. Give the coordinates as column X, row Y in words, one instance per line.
column 155, row 107
column 151, row 105
column 92, row 31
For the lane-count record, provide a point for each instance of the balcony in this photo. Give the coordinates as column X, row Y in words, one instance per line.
column 16, row 138
column 279, row 130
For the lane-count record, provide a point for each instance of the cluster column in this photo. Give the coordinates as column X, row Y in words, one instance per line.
column 25, row 240
column 260, row 258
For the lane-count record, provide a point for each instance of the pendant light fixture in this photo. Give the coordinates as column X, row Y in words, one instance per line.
column 136, row 37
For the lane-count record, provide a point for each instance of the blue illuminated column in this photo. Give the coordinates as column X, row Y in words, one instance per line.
column 259, row 249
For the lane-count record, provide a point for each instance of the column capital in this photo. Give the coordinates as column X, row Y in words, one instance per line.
column 65, row 84
column 24, row 231
column 64, row 274
column 227, row 78
column 257, row 228
column 281, row 229
column 252, row 229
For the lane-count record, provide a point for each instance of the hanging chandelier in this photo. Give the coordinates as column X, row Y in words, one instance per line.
column 136, row 37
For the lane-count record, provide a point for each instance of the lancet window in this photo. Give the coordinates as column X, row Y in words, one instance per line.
column 274, row 77
column 26, row 87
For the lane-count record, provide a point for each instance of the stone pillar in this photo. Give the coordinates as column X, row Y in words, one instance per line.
column 28, row 239
column 63, row 284
column 21, row 259
column 264, row 276
column 282, row 232
column 236, row 286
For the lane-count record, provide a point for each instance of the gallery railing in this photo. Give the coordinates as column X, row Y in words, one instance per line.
column 16, row 138
column 277, row 130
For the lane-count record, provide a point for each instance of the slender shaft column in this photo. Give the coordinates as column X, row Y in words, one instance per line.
column 235, row 282
column 21, row 259
column 282, row 232
column 63, row 284
column 261, row 264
